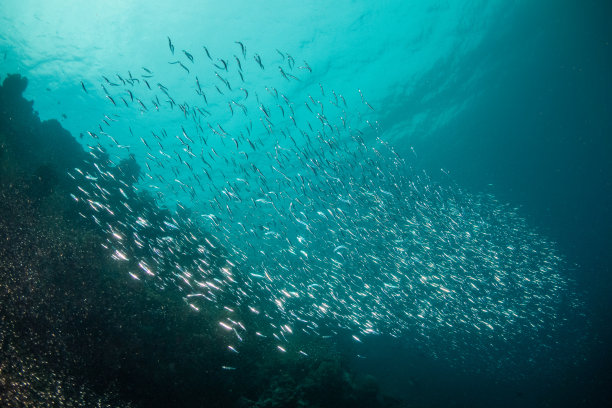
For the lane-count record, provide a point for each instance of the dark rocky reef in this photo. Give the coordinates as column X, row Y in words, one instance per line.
column 76, row 330
column 33, row 143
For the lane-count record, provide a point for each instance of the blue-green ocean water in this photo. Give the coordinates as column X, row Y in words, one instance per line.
column 493, row 123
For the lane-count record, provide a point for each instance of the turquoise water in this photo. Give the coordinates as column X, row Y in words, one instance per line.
column 426, row 185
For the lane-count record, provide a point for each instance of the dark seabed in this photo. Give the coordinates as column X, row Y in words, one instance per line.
column 291, row 205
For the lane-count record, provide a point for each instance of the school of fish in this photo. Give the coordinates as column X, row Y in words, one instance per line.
column 322, row 226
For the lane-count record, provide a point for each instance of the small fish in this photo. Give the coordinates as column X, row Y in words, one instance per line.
column 184, row 67
column 339, row 247
column 290, row 61
column 306, row 66
column 242, row 48
column 83, row 86
column 188, row 56
column 224, row 64
column 207, row 53
column 171, row 45
column 258, row 60
column 283, row 73
column 141, row 104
